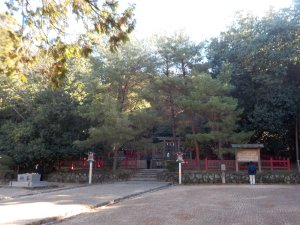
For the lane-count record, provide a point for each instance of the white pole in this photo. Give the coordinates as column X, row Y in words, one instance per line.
column 90, row 172
column 223, row 177
column 179, row 173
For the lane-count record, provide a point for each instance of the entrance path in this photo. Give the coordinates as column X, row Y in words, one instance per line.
column 203, row 205
column 38, row 206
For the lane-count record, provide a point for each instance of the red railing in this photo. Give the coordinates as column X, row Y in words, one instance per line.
column 189, row 164
column 128, row 163
column 80, row 164
column 208, row 164
column 276, row 164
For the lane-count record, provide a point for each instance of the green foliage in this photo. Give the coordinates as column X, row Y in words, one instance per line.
column 10, row 48
column 177, row 55
column 172, row 165
column 45, row 33
column 124, row 74
column 47, row 134
column 263, row 54
column 6, row 162
column 110, row 125
column 210, row 111
column 116, row 108
column 126, row 97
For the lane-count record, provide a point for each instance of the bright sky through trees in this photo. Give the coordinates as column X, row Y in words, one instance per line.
column 198, row 18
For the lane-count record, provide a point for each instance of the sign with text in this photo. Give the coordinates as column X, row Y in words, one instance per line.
column 90, row 156
column 247, row 155
column 179, row 157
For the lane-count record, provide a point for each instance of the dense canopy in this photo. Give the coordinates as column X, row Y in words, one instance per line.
column 62, row 95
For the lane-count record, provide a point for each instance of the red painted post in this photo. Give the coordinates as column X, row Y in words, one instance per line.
column 288, row 164
column 206, row 164
column 271, row 163
column 126, row 163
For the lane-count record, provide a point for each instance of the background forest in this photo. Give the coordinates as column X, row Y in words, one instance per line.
column 103, row 90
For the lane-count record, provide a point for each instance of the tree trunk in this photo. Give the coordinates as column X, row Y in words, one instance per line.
column 115, row 161
column 173, row 124
column 17, row 169
column 197, row 147
column 122, row 93
column 219, row 150
column 183, row 68
column 297, row 143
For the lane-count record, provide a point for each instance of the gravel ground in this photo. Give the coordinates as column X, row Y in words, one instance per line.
column 33, row 206
column 203, row 204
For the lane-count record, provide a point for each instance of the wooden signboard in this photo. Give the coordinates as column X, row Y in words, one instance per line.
column 247, row 155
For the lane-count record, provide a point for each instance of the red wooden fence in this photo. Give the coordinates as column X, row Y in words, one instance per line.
column 83, row 163
column 128, row 163
column 276, row 164
column 208, row 164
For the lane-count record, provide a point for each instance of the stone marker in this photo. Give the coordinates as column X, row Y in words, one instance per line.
column 29, row 180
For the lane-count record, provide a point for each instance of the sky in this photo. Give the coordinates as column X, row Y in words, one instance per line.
column 200, row 19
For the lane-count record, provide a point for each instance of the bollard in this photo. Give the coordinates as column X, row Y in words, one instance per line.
column 179, row 160
column 90, row 160
column 179, row 181
column 223, row 168
column 91, row 172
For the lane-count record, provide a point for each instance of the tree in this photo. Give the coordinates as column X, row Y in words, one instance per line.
column 44, row 32
column 209, row 113
column 116, row 101
column 162, row 93
column 10, row 48
column 46, row 133
column 176, row 57
column 125, row 73
column 262, row 53
column 110, row 127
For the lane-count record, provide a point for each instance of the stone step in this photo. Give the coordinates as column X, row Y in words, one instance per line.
column 157, row 170
column 142, row 173
column 143, row 179
column 142, row 176
column 149, row 171
column 146, row 175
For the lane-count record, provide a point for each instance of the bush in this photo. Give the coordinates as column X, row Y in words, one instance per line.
column 7, row 175
column 7, row 165
column 6, row 162
column 172, row 165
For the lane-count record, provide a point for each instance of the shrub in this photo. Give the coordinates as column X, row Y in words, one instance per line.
column 172, row 165
column 6, row 162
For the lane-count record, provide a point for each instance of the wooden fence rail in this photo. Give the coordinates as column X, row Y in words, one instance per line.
column 189, row 164
column 208, row 164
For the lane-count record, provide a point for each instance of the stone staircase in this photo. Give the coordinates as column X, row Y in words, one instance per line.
column 146, row 175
